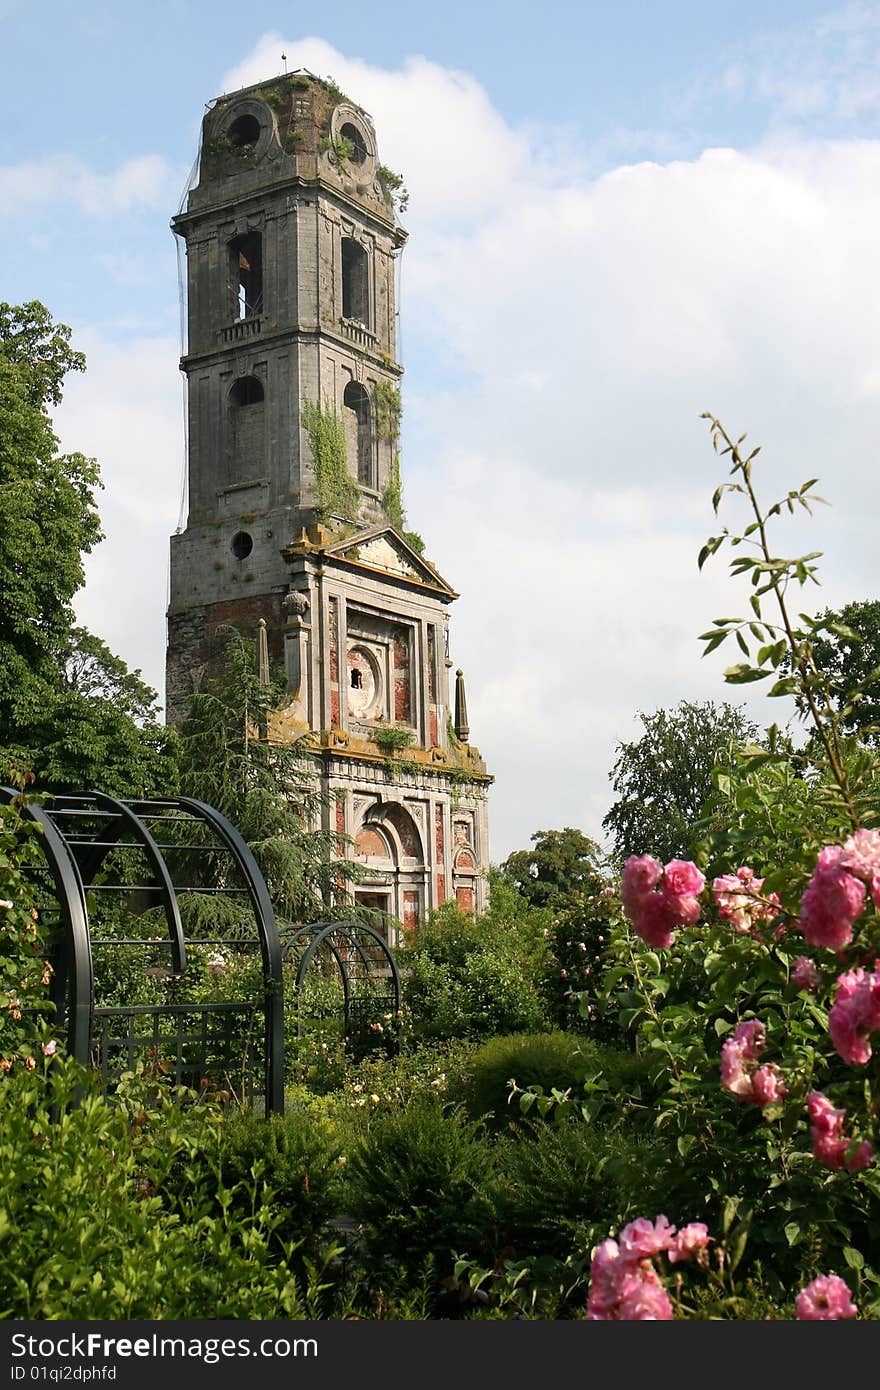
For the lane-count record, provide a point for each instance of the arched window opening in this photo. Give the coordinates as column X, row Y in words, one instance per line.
column 246, row 275
column 351, row 133
column 358, row 432
column 246, row 433
column 247, row 390
column 355, row 281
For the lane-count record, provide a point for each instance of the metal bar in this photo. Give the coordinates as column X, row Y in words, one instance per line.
column 269, row 944
column 165, row 886
column 75, row 952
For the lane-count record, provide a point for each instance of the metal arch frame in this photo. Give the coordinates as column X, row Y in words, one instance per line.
column 320, row 932
column 270, row 945
column 74, row 949
column 143, row 837
column 77, row 944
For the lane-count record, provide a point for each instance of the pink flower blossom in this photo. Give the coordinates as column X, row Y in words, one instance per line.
column 652, row 922
column 690, row 1241
column 656, row 900
column 861, row 857
column 805, row 975
column 739, row 900
column 740, row 1074
column 832, row 901
column 735, row 1078
column 643, row 1238
column 605, row 1273
column 624, row 1284
column 830, row 1145
column 751, row 1036
column 855, row 1014
column 50, row 1048
column 825, row 1299
column 641, row 874
column 682, row 879
column 643, row 1297
column 768, row 1086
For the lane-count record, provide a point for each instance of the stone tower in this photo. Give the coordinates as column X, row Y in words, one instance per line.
column 295, row 518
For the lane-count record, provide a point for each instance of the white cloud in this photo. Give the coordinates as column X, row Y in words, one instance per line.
column 561, row 475
column 126, row 412
column 63, row 180
column 826, row 68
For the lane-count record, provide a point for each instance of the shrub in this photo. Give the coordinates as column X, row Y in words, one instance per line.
column 84, row 1231
column 419, row 1181
column 543, row 1059
column 288, row 1165
column 556, row 1195
column 474, row 978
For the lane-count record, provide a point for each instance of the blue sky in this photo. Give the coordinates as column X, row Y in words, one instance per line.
column 620, row 215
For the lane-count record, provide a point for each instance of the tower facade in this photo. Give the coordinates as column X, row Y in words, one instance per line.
column 294, row 510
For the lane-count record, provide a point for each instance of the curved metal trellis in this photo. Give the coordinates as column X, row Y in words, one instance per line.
column 113, row 870
column 365, row 964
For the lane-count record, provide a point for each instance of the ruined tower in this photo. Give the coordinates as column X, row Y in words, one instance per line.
column 295, row 515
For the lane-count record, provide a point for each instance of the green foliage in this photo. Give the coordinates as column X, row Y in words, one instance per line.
column 664, row 779
column 392, row 739
column 563, row 863
column 338, row 493
column 392, row 502
column 577, row 949
column 389, row 411
column 287, row 1166
column 846, row 648
column 339, row 149
column 393, row 188
column 419, row 1180
column 25, row 973
column 465, row 977
column 266, row 789
column 69, row 710
column 528, row 1059
column 415, row 540
column 85, row 1233
column 721, row 1155
column 775, row 812
column 784, row 646
column 556, row 1195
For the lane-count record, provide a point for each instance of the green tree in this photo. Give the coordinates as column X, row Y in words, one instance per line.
column 848, row 653
column 562, row 863
column 267, row 788
column 665, row 778
column 69, row 709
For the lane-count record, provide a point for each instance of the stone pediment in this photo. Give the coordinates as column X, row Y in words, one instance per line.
column 385, row 549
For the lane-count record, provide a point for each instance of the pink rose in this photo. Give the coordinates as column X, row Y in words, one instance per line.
column 690, row 1241
column 653, row 921
column 768, row 1086
column 682, row 909
column 643, row 1238
column 643, row 1298
column 682, row 879
column 830, row 1145
column 805, row 975
column 825, row 1299
column 831, row 903
column 641, row 874
column 855, row 1014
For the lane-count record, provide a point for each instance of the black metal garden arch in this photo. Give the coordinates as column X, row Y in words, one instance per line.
column 164, row 948
column 364, row 966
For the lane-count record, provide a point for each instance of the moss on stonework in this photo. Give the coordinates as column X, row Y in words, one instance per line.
column 337, row 492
